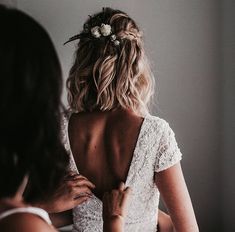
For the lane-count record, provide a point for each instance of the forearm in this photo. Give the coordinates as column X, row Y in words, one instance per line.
column 173, row 189
column 115, row 224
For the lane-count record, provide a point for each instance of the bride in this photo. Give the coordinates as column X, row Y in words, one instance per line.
column 111, row 136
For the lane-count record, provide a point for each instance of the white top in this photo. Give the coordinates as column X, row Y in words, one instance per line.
column 32, row 210
column 156, row 150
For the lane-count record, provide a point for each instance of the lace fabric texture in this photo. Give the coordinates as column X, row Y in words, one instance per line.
column 156, row 150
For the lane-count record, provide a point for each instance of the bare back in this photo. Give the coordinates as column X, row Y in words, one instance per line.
column 102, row 144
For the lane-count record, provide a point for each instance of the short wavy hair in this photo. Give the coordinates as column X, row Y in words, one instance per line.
column 105, row 76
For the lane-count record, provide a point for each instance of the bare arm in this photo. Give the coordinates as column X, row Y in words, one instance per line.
column 25, row 222
column 164, row 222
column 74, row 190
column 173, row 189
column 114, row 209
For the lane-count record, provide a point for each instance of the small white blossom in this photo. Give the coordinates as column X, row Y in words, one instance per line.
column 95, row 31
column 113, row 37
column 105, row 29
column 116, row 42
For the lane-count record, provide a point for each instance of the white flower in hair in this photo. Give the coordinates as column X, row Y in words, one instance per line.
column 105, row 29
column 116, row 42
column 113, row 37
column 95, row 31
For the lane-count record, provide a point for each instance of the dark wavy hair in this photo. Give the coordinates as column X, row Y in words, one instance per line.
column 30, row 100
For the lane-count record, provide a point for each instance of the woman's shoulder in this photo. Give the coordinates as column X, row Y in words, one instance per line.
column 25, row 222
column 156, row 122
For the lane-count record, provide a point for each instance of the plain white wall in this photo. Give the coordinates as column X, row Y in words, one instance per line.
column 182, row 39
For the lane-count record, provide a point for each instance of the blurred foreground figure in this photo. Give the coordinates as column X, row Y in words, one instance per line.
column 30, row 144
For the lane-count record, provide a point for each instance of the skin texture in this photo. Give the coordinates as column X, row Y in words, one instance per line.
column 23, row 222
column 74, row 190
column 173, row 189
column 164, row 222
column 87, row 136
column 115, row 205
column 108, row 140
column 26, row 223
column 102, row 137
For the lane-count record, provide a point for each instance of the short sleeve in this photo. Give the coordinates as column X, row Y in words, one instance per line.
column 168, row 153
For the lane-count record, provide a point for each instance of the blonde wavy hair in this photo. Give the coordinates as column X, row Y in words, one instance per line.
column 105, row 76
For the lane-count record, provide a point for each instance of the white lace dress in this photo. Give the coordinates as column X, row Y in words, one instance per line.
column 156, row 150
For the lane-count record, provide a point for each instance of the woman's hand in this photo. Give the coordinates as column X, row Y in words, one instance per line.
column 164, row 222
column 74, row 190
column 115, row 208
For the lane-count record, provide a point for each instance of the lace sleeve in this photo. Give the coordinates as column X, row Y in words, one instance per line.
column 65, row 140
column 168, row 153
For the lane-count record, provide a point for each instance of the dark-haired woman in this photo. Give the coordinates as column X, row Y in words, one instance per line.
column 30, row 144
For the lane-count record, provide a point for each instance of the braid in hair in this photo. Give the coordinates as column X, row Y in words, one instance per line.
column 105, row 76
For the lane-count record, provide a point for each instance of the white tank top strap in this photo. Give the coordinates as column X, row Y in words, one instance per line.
column 32, row 210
